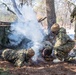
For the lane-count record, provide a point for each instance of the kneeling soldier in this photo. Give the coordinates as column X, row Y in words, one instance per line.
column 17, row 57
column 64, row 44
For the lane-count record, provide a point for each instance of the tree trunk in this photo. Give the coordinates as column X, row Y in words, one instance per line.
column 51, row 16
column 75, row 30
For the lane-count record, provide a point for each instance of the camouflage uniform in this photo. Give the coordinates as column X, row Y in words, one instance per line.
column 17, row 57
column 64, row 44
column 47, row 50
column 73, row 18
column 73, row 14
column 72, row 55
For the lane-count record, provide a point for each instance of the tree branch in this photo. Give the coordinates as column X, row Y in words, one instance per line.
column 16, row 8
column 71, row 3
column 8, row 8
column 5, row 23
column 41, row 19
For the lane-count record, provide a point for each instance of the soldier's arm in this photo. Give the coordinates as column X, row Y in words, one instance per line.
column 62, row 38
column 73, row 14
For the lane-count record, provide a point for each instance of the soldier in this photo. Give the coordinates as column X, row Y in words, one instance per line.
column 47, row 50
column 63, row 45
column 17, row 57
column 73, row 15
column 73, row 18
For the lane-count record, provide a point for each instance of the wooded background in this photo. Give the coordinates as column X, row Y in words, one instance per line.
column 55, row 10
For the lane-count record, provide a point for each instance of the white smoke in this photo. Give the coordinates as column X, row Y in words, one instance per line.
column 27, row 26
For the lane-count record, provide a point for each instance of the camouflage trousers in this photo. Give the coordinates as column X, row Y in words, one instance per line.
column 16, row 57
column 62, row 51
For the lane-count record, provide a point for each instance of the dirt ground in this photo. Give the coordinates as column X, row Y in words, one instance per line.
column 49, row 68
column 42, row 69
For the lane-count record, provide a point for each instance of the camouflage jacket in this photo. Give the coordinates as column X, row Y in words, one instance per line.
column 62, row 38
column 73, row 14
column 14, row 55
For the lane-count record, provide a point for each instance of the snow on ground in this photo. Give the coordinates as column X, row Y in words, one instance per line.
column 70, row 32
